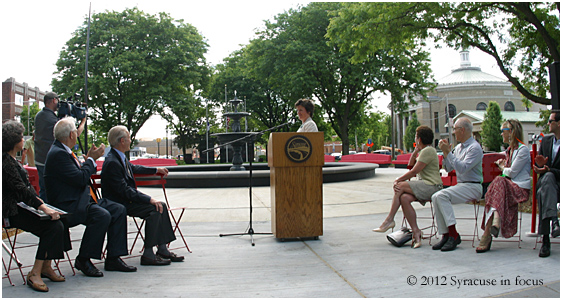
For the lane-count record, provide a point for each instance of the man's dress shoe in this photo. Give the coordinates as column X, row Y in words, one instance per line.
column 545, row 250
column 117, row 264
column 555, row 229
column 146, row 261
column 440, row 245
column 451, row 243
column 171, row 256
column 88, row 268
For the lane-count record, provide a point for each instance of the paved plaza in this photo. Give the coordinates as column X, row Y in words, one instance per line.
column 348, row 261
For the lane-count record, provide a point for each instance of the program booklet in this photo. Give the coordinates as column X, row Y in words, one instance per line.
column 41, row 214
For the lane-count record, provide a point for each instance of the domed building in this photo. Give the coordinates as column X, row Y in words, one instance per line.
column 467, row 92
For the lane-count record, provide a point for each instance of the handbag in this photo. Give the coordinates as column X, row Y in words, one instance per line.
column 400, row 237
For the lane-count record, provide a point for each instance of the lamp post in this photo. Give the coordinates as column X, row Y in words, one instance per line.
column 158, row 140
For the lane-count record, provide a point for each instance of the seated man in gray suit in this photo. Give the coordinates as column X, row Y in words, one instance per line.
column 547, row 165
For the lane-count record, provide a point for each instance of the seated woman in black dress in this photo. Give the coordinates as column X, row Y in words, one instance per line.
column 54, row 237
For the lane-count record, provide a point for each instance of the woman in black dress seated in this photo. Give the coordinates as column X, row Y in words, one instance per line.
column 54, row 237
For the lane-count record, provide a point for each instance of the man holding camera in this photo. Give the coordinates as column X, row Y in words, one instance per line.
column 45, row 121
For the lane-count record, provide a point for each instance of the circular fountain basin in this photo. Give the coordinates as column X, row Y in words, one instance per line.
column 219, row 175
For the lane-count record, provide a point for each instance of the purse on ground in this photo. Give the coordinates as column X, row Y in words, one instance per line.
column 400, row 237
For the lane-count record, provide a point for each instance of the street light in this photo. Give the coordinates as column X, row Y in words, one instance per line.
column 158, row 140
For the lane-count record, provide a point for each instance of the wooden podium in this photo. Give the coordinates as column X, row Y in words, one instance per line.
column 295, row 161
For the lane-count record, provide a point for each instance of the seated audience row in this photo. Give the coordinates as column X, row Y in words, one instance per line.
column 67, row 183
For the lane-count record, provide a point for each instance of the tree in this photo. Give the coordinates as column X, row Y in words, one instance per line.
column 372, row 126
column 264, row 103
column 303, row 63
column 529, row 32
column 31, row 111
column 186, row 119
column 544, row 115
column 491, row 126
column 410, row 134
column 137, row 62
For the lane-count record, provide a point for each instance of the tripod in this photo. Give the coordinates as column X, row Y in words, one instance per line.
column 251, row 138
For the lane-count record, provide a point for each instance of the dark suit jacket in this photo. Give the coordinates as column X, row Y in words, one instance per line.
column 68, row 186
column 546, row 151
column 118, row 184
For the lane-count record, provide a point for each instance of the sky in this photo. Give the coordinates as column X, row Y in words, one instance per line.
column 34, row 32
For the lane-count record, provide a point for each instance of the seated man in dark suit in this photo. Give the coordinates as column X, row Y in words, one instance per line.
column 68, row 188
column 547, row 165
column 118, row 183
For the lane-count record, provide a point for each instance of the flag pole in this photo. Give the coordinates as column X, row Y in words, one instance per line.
column 86, row 78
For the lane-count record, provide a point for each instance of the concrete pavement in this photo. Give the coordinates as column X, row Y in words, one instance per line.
column 348, row 261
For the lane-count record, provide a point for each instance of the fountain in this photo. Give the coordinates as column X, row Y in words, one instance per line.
column 235, row 135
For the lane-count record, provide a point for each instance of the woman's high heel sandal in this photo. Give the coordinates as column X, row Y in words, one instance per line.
column 385, row 228
column 416, row 243
column 495, row 230
column 485, row 244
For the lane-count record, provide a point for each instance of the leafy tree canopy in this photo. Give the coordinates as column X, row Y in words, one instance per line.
column 522, row 37
column 301, row 62
column 137, row 64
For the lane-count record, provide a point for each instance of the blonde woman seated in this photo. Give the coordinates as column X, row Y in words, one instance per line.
column 505, row 193
column 426, row 165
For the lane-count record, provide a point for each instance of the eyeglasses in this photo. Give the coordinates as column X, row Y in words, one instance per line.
column 506, row 129
column 456, row 128
column 551, row 120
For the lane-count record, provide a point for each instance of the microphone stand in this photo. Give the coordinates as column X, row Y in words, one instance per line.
column 250, row 138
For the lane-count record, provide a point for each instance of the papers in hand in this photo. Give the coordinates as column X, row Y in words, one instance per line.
column 41, row 214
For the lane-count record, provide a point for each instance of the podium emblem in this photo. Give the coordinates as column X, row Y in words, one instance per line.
column 298, row 148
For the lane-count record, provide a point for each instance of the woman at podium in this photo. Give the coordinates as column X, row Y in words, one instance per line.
column 54, row 237
column 424, row 162
column 305, row 110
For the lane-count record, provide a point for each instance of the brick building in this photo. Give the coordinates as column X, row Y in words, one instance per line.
column 16, row 95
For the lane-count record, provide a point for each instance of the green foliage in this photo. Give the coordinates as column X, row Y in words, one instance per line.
column 296, row 59
column 372, row 126
column 138, row 63
column 410, row 134
column 32, row 111
column 238, row 74
column 491, row 127
column 186, row 118
column 543, row 123
column 522, row 37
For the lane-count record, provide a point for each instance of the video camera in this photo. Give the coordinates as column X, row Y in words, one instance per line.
column 72, row 107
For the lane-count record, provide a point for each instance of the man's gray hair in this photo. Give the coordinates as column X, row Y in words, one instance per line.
column 63, row 128
column 465, row 123
column 115, row 134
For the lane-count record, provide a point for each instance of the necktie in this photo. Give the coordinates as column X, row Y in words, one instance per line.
column 127, row 167
column 92, row 193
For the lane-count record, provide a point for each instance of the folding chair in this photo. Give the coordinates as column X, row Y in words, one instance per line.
column 96, row 187
column 13, row 262
column 141, row 181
